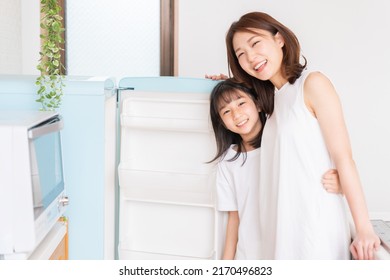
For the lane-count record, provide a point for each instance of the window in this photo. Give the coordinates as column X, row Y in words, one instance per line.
column 119, row 38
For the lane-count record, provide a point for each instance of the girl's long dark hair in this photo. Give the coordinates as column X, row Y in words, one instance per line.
column 223, row 93
column 291, row 66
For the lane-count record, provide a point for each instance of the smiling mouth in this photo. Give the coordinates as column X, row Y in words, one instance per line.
column 257, row 67
column 242, row 123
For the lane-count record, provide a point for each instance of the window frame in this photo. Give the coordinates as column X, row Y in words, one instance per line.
column 167, row 37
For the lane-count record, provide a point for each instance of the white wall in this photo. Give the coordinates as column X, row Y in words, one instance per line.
column 10, row 37
column 19, row 36
column 347, row 40
column 30, row 31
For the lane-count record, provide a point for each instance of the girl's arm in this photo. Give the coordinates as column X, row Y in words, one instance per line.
column 323, row 102
column 231, row 236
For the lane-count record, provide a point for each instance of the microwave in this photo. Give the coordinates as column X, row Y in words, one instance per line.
column 32, row 187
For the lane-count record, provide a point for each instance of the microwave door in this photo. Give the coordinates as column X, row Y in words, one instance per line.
column 46, row 163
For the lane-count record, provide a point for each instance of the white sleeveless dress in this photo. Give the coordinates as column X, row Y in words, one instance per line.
column 298, row 218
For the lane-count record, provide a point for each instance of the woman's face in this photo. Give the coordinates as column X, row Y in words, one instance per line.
column 241, row 116
column 260, row 54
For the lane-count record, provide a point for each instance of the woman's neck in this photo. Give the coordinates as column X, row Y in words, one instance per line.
column 279, row 83
column 279, row 80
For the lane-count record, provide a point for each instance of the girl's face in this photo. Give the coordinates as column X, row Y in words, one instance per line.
column 241, row 116
column 260, row 54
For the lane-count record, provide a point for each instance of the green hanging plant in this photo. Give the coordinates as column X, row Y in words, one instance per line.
column 51, row 81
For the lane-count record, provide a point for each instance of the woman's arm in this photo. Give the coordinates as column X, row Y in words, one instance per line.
column 323, row 102
column 231, row 236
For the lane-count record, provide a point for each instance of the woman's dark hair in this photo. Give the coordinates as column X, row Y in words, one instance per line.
column 223, row 93
column 291, row 66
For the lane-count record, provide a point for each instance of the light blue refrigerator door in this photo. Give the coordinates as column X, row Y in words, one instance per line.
column 167, row 188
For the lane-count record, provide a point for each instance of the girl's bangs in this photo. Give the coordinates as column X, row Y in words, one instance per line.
column 226, row 97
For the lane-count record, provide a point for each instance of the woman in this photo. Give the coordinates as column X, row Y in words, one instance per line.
column 304, row 136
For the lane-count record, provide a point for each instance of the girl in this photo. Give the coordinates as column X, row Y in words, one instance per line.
column 305, row 135
column 237, row 123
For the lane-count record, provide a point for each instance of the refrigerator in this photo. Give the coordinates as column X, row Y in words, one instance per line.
column 166, row 187
column 135, row 165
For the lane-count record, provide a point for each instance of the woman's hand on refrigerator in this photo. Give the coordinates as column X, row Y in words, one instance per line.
column 216, row 77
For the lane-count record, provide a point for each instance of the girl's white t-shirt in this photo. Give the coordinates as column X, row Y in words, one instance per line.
column 237, row 190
